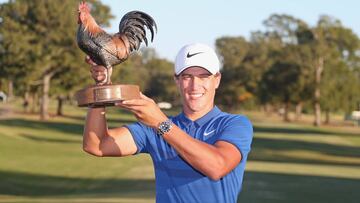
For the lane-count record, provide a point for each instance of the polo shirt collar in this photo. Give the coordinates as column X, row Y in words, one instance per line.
column 201, row 121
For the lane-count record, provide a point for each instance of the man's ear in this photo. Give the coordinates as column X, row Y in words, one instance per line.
column 218, row 79
column 176, row 79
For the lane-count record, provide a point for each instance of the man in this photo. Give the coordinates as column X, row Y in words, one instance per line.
column 198, row 155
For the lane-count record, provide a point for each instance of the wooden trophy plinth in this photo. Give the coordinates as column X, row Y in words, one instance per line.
column 106, row 95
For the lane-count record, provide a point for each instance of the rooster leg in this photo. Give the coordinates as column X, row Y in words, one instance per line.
column 108, row 75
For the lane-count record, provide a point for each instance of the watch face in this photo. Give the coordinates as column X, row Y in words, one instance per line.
column 164, row 127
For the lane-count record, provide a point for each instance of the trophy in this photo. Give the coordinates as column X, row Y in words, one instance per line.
column 109, row 50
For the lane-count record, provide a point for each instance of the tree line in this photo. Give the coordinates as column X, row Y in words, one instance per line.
column 290, row 65
column 293, row 65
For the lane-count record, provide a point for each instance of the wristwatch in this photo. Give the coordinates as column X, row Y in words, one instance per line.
column 164, row 127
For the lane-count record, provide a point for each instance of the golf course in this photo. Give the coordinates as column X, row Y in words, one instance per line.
column 43, row 161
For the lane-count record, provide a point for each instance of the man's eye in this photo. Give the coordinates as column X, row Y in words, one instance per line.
column 201, row 76
column 186, row 76
column 204, row 76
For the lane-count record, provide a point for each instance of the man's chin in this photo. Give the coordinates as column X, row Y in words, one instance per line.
column 197, row 106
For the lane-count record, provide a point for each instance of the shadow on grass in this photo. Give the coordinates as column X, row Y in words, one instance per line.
column 49, row 140
column 43, row 125
column 302, row 131
column 32, row 185
column 258, row 187
column 261, row 187
column 65, row 127
column 82, row 118
column 262, row 145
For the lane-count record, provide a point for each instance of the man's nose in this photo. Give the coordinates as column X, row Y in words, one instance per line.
column 195, row 82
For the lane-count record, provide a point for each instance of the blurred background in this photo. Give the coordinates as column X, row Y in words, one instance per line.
column 292, row 67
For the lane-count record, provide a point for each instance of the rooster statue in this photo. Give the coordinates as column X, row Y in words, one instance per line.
column 109, row 50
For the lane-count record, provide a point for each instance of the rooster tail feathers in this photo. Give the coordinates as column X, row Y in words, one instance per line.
column 133, row 24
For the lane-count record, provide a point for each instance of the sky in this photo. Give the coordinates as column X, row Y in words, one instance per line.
column 186, row 21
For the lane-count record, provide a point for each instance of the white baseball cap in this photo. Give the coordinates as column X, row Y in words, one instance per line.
column 197, row 55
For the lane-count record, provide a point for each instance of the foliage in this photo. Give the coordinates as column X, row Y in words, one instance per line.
column 39, row 45
column 161, row 85
column 37, row 38
column 233, row 51
column 292, row 63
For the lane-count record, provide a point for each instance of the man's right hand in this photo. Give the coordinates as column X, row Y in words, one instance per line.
column 98, row 72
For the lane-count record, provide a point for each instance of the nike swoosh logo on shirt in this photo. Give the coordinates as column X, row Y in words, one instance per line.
column 208, row 133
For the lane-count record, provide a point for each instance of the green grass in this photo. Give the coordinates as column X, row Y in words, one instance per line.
column 301, row 163
column 44, row 162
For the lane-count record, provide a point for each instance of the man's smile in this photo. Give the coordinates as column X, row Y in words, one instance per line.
column 195, row 95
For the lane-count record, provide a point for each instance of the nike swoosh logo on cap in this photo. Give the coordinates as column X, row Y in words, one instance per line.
column 208, row 133
column 191, row 55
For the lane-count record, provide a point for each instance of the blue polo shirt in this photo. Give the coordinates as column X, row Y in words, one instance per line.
column 176, row 180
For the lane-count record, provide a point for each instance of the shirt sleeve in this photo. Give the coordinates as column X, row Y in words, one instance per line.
column 239, row 132
column 140, row 132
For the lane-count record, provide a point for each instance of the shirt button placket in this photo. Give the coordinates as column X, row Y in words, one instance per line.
column 192, row 130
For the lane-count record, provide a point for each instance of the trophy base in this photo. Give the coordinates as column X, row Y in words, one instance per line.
column 106, row 95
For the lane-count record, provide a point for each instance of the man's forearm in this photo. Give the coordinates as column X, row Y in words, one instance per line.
column 94, row 130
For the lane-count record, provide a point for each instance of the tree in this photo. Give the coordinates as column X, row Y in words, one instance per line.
column 152, row 74
column 232, row 51
column 15, row 46
column 284, row 27
column 340, row 80
column 49, row 44
column 161, row 85
column 334, row 49
column 132, row 71
column 282, row 83
column 283, row 32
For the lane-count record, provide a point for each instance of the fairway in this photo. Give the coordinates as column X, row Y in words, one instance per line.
column 44, row 162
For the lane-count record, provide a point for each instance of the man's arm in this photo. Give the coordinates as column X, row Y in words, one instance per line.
column 98, row 140
column 214, row 161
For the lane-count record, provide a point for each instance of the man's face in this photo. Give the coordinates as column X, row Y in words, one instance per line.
column 197, row 87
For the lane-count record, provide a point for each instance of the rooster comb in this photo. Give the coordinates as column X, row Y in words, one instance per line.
column 83, row 6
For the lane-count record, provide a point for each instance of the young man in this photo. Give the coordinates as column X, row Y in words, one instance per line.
column 198, row 155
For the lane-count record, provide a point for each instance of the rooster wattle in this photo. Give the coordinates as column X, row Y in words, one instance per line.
column 109, row 50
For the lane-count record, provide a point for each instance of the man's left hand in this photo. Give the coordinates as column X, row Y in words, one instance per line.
column 145, row 110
